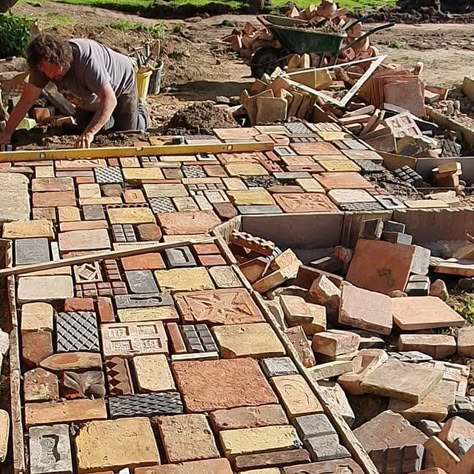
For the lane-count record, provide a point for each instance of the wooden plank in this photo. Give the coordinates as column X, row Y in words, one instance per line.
column 453, row 266
column 93, row 257
column 117, row 152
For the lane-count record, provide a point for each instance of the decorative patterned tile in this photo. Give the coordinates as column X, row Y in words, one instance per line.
column 87, row 273
column 198, row 338
column 162, row 205
column 145, row 404
column 193, row 172
column 111, row 175
column 118, row 376
column 77, row 332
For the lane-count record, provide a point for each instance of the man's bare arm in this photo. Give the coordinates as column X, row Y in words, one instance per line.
column 28, row 98
column 107, row 104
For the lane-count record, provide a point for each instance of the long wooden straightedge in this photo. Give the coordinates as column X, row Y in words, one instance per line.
column 93, row 257
column 117, row 152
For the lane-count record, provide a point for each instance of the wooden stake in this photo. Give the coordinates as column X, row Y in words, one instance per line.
column 93, row 257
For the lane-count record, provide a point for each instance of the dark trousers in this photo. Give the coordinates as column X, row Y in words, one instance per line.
column 129, row 114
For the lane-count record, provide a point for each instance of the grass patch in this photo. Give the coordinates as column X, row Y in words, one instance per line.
column 143, row 6
column 397, row 44
column 463, row 303
column 157, row 30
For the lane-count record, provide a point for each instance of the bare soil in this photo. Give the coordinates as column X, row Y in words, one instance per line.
column 198, row 66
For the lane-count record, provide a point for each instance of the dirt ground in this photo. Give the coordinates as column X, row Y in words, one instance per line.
column 199, row 67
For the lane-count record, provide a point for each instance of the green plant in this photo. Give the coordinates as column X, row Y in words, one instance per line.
column 397, row 44
column 14, row 34
column 463, row 303
column 157, row 30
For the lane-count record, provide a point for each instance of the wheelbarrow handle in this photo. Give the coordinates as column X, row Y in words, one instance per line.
column 354, row 23
column 368, row 33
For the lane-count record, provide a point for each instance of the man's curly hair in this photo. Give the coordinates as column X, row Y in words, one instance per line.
column 49, row 48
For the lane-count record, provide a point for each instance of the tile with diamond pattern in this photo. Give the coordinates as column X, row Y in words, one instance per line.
column 111, row 175
column 297, row 128
column 77, row 331
column 193, row 172
column 162, row 205
column 361, row 206
column 145, row 404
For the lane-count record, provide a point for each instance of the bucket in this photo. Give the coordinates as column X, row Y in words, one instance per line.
column 155, row 80
column 143, row 82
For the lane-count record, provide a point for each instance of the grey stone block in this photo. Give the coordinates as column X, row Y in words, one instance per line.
column 32, row 251
column 198, row 338
column 418, row 285
column 50, row 450
column 277, row 366
column 372, row 229
column 297, row 128
column 147, row 300
column 392, row 226
column 145, row 404
column 93, row 213
column 141, row 281
column 390, row 202
column 421, row 261
column 180, row 257
column 370, row 166
column 397, row 237
column 462, row 445
column 430, row 427
column 291, row 176
column 253, row 210
column 360, row 206
column 310, row 426
column 123, row 233
column 326, row 448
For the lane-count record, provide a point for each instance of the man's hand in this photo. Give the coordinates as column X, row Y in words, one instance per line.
column 85, row 140
column 5, row 138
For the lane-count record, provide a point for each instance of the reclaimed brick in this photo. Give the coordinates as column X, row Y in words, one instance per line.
column 36, row 317
column 153, row 373
column 118, row 376
column 36, row 346
column 39, row 385
column 273, row 458
column 248, row 417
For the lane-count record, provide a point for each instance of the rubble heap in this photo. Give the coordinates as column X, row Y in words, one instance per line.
column 365, row 323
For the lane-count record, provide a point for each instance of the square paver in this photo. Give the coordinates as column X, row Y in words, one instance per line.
column 301, row 203
column 343, row 180
column 212, row 385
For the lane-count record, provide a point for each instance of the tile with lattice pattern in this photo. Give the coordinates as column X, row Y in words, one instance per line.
column 296, row 128
column 161, row 205
column 77, row 332
column 145, row 404
column 110, row 175
column 119, row 378
column 193, row 171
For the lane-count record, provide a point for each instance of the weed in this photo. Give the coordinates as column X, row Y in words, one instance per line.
column 397, row 44
column 177, row 27
column 14, row 34
column 464, row 305
column 157, row 30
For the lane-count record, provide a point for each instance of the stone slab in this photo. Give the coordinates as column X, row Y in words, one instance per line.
column 141, row 281
column 225, row 277
column 424, row 312
column 255, row 340
column 50, row 450
column 96, row 239
column 102, row 445
column 191, row 222
column 32, row 251
column 28, row 229
column 187, row 438
column 139, row 215
column 45, row 288
column 54, row 199
column 153, row 373
column 184, row 279
column 278, row 366
column 221, row 384
column 14, row 197
column 402, row 381
column 366, row 310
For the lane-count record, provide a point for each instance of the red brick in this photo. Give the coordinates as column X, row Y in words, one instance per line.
column 85, row 180
column 40, row 114
column 54, row 199
column 146, row 261
column 36, row 346
column 178, row 345
column 300, row 342
column 105, row 309
column 206, row 249
column 79, row 304
column 149, row 232
column 225, row 210
column 211, row 260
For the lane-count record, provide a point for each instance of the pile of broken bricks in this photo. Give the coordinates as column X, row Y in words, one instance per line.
column 379, row 339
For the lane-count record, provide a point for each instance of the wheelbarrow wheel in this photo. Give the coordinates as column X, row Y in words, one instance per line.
column 265, row 61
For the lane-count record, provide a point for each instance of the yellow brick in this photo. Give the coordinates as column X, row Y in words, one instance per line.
column 257, row 440
column 131, row 216
column 184, row 279
column 142, row 174
column 159, row 313
column 252, row 197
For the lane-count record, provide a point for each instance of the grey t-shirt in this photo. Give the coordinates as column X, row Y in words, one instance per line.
column 93, row 67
